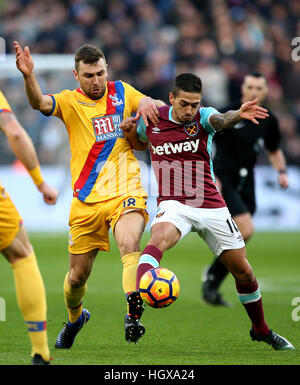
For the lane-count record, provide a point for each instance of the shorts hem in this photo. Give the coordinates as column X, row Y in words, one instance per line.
column 6, row 244
column 221, row 249
column 142, row 210
column 77, row 252
column 183, row 233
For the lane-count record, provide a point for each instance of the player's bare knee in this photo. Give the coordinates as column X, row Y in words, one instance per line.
column 77, row 279
column 17, row 250
column 159, row 240
column 244, row 275
column 127, row 246
column 164, row 236
column 248, row 232
column 245, row 225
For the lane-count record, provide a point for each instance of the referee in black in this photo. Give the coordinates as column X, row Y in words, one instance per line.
column 236, row 154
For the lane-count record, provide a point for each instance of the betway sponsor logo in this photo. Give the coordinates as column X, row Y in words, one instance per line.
column 174, row 148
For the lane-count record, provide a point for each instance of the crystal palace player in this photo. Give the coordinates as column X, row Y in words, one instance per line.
column 105, row 175
column 180, row 147
column 15, row 244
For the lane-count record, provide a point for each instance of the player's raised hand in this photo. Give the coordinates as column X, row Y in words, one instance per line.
column 251, row 111
column 283, row 180
column 148, row 110
column 24, row 59
column 50, row 193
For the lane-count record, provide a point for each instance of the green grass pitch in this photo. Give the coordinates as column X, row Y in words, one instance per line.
column 186, row 333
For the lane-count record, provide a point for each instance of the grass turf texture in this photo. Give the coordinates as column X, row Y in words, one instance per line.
column 186, row 333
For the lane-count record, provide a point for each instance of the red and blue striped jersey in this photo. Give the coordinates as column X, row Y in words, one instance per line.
column 103, row 165
column 4, row 105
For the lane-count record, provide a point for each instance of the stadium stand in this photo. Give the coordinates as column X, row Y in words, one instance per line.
column 147, row 42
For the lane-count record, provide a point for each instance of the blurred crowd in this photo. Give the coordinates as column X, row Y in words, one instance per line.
column 147, row 42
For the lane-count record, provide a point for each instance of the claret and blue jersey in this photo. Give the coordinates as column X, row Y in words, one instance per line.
column 181, row 157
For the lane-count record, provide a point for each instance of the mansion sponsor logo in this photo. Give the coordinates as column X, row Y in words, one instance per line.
column 107, row 127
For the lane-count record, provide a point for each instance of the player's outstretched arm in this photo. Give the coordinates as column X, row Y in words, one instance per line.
column 249, row 110
column 23, row 148
column 25, row 65
column 129, row 128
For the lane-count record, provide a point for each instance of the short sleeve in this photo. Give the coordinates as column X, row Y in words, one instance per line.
column 205, row 113
column 4, row 105
column 60, row 107
column 141, row 131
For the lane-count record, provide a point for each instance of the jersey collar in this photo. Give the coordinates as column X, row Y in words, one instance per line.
column 170, row 116
column 95, row 100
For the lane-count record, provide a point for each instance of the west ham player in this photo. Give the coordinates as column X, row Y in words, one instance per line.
column 105, row 175
column 237, row 151
column 15, row 244
column 182, row 141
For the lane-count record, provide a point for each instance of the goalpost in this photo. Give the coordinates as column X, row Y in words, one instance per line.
column 42, row 64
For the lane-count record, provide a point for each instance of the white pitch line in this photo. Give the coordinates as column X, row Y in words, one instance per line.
column 289, row 284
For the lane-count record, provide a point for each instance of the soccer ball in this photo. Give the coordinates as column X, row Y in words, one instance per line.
column 159, row 287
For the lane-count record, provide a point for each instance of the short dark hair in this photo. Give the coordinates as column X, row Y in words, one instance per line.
column 89, row 54
column 256, row 74
column 187, row 82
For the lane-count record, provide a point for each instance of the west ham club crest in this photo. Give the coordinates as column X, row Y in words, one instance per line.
column 192, row 128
